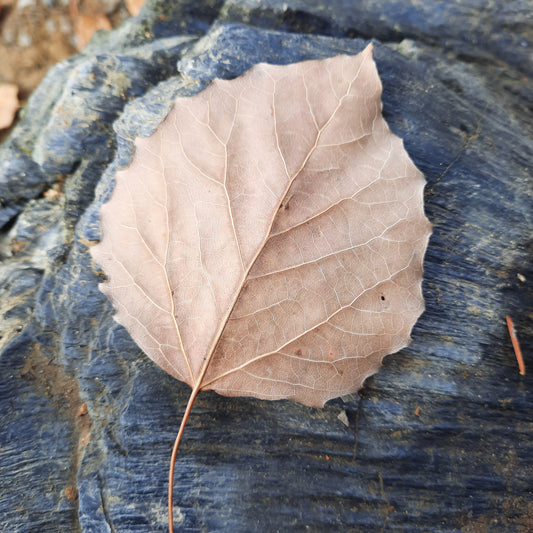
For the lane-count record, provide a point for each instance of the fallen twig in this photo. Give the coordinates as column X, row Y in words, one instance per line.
column 516, row 346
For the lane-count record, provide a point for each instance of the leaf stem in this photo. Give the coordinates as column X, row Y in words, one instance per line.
column 186, row 414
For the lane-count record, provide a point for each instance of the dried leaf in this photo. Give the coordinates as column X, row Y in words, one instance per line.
column 134, row 6
column 8, row 104
column 267, row 240
column 85, row 24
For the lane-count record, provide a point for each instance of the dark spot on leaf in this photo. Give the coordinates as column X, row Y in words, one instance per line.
column 286, row 205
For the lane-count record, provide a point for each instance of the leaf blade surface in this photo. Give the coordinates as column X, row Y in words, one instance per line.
column 267, row 240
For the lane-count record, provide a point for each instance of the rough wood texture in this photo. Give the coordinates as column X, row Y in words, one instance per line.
column 439, row 440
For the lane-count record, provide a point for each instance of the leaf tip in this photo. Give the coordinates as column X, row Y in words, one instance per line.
column 369, row 49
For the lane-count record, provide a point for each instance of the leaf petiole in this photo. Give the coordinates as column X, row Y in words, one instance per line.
column 186, row 414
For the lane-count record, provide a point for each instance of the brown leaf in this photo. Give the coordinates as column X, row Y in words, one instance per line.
column 8, row 104
column 267, row 240
column 134, row 6
column 85, row 24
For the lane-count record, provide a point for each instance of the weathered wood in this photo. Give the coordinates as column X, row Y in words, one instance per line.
column 439, row 440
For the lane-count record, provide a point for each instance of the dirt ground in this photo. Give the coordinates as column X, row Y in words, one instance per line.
column 36, row 34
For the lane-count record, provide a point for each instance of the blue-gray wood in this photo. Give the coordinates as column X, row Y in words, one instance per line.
column 439, row 440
